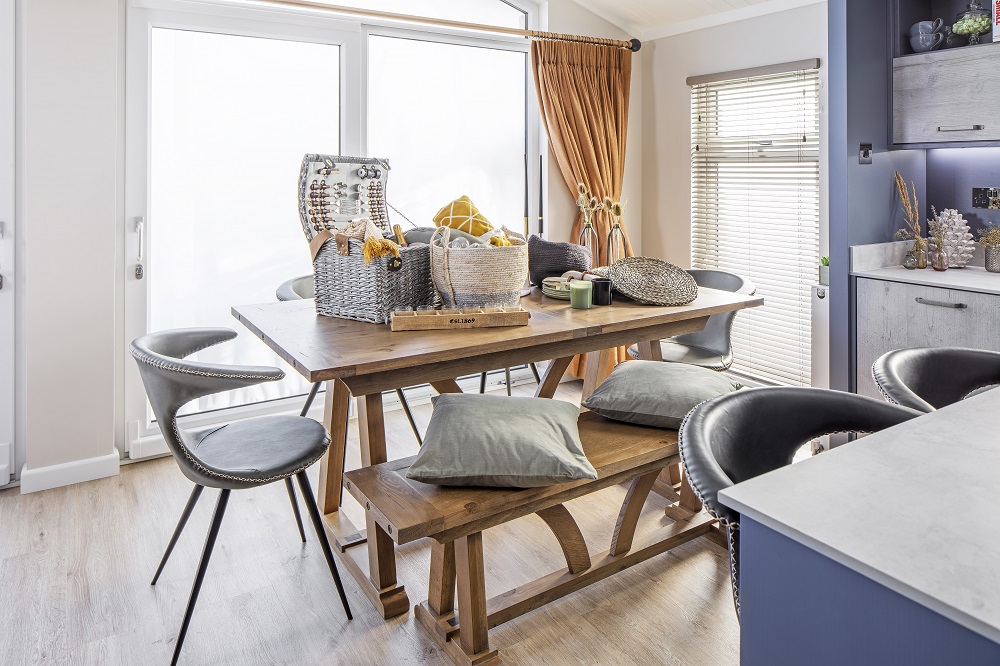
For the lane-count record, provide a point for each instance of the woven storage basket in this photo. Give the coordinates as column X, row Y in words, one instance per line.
column 478, row 277
column 346, row 287
column 652, row 281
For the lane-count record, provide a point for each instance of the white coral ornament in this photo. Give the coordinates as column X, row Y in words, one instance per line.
column 958, row 240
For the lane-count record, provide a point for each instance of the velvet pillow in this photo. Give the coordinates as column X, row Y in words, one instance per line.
column 552, row 259
column 655, row 393
column 497, row 441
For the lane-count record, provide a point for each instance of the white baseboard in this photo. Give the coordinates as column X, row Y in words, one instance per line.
column 78, row 471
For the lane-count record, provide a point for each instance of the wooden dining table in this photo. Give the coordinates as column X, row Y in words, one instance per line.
column 364, row 360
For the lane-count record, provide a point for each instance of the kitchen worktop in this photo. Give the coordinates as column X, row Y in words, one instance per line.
column 910, row 507
column 972, row 278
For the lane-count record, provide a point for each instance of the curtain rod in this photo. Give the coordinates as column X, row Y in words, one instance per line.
column 632, row 45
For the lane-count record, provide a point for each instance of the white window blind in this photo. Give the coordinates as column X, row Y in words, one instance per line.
column 755, row 210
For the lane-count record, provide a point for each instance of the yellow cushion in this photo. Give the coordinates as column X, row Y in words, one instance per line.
column 463, row 215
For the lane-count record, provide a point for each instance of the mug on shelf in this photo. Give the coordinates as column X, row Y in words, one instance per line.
column 926, row 27
column 923, row 43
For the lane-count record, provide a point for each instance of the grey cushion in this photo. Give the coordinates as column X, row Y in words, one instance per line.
column 553, row 258
column 496, row 441
column 656, row 394
column 675, row 352
column 423, row 235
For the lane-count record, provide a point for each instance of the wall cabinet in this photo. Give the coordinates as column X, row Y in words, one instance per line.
column 895, row 315
column 947, row 96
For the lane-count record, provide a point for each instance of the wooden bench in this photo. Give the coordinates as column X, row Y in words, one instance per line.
column 456, row 517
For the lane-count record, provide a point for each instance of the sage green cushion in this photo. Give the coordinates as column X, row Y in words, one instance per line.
column 657, row 394
column 496, row 441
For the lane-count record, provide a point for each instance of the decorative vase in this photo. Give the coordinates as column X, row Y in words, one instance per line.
column 958, row 239
column 588, row 238
column 939, row 259
column 921, row 257
column 993, row 258
column 616, row 243
column 910, row 261
column 824, row 275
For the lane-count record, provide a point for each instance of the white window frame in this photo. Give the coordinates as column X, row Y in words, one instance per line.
column 136, row 436
column 8, row 462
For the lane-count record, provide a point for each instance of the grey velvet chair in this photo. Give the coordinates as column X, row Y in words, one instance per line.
column 711, row 348
column 244, row 454
column 302, row 288
column 740, row 435
column 929, row 378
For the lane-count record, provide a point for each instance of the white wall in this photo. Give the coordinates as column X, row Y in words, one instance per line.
column 567, row 17
column 67, row 205
column 787, row 36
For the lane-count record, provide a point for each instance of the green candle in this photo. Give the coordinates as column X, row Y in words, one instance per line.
column 580, row 294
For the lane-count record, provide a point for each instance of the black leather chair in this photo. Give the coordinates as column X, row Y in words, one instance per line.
column 927, row 379
column 741, row 435
column 244, row 454
column 712, row 347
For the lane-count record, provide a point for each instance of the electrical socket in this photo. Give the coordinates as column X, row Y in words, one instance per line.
column 986, row 197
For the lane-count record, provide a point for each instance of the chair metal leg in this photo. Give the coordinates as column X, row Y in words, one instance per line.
column 309, row 402
column 482, row 383
column 317, row 522
column 534, row 371
column 192, row 500
column 213, row 533
column 409, row 416
column 295, row 507
column 507, row 376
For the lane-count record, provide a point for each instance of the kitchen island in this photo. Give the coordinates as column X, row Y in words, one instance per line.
column 882, row 551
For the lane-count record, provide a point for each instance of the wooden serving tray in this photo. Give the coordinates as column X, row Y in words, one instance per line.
column 434, row 320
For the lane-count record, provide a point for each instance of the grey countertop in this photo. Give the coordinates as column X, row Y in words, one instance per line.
column 973, row 278
column 912, row 507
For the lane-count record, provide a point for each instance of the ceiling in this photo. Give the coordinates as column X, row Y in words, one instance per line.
column 651, row 19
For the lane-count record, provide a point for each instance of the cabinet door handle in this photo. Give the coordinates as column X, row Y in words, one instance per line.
column 962, row 128
column 942, row 304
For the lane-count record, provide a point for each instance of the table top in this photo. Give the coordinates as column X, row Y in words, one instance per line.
column 323, row 348
column 910, row 507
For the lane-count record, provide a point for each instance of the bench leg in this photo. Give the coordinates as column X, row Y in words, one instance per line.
column 473, row 634
column 441, row 595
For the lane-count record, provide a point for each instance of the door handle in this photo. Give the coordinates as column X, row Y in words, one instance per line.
column 962, row 128
column 140, row 225
column 942, row 304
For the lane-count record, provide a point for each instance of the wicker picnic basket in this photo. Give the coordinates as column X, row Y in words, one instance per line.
column 478, row 277
column 346, row 286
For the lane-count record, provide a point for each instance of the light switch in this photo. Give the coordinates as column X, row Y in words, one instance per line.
column 986, row 197
column 865, row 153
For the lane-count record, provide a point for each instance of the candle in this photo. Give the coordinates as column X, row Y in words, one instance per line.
column 580, row 294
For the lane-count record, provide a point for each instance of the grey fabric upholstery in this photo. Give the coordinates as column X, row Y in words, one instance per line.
column 741, row 435
column 927, row 379
column 712, row 347
column 296, row 289
column 240, row 455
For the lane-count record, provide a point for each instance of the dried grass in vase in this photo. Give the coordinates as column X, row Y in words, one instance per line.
column 911, row 210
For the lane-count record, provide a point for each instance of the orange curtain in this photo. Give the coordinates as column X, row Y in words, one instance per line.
column 583, row 93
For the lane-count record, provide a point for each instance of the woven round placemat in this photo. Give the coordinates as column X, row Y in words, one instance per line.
column 652, row 281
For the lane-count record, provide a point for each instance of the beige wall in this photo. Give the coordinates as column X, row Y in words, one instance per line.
column 771, row 39
column 567, row 17
column 68, row 141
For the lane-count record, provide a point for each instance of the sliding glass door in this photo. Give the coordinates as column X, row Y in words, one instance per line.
column 220, row 112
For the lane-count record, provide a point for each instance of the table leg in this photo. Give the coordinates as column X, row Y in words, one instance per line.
column 331, row 466
column 392, row 597
column 650, row 351
column 446, row 386
column 553, row 375
column 596, row 371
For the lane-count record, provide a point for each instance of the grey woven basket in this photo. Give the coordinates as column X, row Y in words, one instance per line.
column 346, row 287
column 653, row 281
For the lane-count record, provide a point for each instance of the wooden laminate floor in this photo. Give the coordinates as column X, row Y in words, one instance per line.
column 75, row 565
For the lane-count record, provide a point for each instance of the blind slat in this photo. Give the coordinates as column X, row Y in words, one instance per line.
column 755, row 210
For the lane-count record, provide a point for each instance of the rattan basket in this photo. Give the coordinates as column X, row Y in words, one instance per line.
column 478, row 277
column 346, row 287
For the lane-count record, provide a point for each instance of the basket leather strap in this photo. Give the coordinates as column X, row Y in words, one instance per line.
column 318, row 241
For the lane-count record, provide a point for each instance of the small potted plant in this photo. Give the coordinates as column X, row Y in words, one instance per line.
column 989, row 238
column 824, row 271
column 911, row 210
